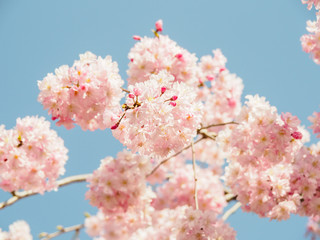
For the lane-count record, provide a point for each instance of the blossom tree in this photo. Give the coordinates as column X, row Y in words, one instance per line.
column 191, row 148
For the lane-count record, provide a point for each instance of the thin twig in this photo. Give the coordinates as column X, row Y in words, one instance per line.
column 194, row 175
column 62, row 230
column 125, row 90
column 174, row 155
column 63, row 182
column 218, row 125
column 231, row 211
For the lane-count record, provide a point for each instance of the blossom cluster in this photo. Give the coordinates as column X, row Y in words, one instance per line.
column 264, row 158
column 88, row 93
column 32, row 156
column 160, row 116
column 18, row 230
column 179, row 223
column 119, row 183
column 152, row 55
column 179, row 190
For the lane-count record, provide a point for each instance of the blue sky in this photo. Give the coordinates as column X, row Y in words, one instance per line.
column 259, row 38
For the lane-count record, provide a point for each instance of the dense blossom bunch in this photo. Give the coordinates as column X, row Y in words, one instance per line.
column 119, row 183
column 118, row 226
column 179, row 190
column 32, row 156
column 310, row 3
column 313, row 227
column 315, row 120
column 151, row 55
column 220, row 90
column 305, row 180
column 160, row 116
column 84, row 94
column 203, row 225
column 311, row 42
column 262, row 152
column 18, row 230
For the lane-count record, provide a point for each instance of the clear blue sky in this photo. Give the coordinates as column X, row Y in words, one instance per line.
column 259, row 38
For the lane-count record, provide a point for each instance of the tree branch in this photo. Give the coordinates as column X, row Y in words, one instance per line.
column 174, row 155
column 23, row 194
column 231, row 211
column 218, row 125
column 62, row 230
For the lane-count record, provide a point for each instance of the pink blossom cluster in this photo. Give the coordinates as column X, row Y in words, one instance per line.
column 203, row 225
column 315, row 120
column 313, row 227
column 221, row 91
column 179, row 190
column 167, row 224
column 305, row 181
column 84, row 94
column 117, row 226
column 263, row 148
column 32, row 156
column 311, row 42
column 310, row 3
column 119, row 183
column 18, row 230
column 151, row 55
column 160, row 116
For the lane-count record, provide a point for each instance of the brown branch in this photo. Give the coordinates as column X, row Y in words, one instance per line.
column 23, row 194
column 62, row 230
column 125, row 90
column 218, row 125
column 174, row 155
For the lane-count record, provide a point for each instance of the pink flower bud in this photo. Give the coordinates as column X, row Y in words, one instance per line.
column 137, row 91
column 210, row 77
column 173, row 104
column 136, row 37
column 163, row 89
column 115, row 126
column 179, row 56
column 131, row 95
column 83, row 87
column 159, row 25
column 231, row 102
column 131, row 60
column 173, row 98
column 222, row 69
column 297, row 135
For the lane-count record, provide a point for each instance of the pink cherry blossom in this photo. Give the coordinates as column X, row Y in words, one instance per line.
column 179, row 190
column 154, row 124
column 18, row 230
column 119, row 183
column 264, row 149
column 151, row 55
column 88, row 93
column 315, row 120
column 32, row 156
column 311, row 42
column 310, row 3
column 203, row 225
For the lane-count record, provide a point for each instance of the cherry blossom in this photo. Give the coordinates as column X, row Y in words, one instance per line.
column 310, row 42
column 32, row 156
column 157, row 122
column 88, row 93
column 151, row 55
column 119, row 183
column 179, row 190
column 18, row 230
